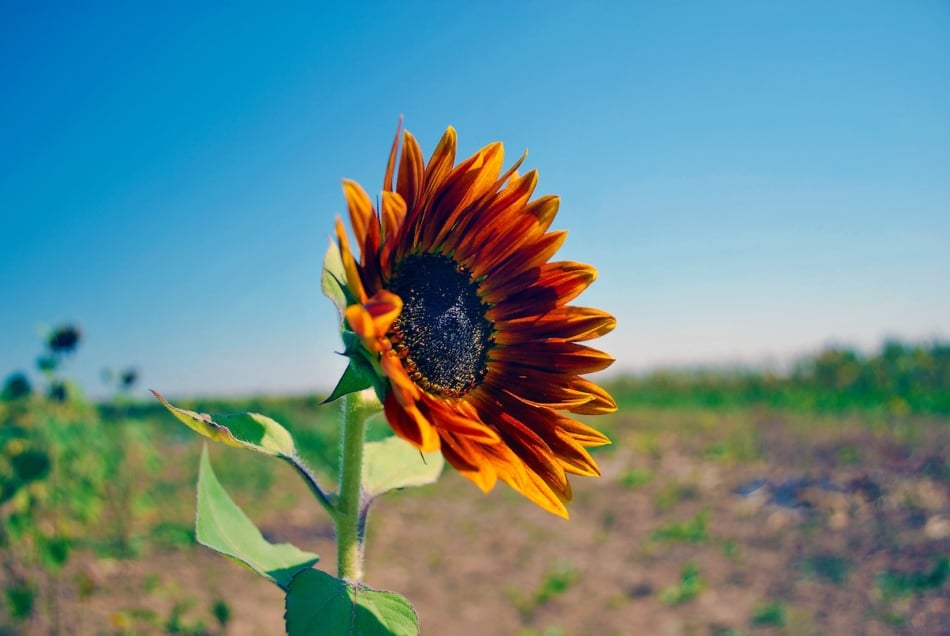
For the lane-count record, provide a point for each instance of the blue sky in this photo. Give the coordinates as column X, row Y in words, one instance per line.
column 754, row 180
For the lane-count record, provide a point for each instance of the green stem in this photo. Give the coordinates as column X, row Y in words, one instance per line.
column 349, row 528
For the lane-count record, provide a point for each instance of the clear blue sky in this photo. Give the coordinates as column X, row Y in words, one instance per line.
column 753, row 179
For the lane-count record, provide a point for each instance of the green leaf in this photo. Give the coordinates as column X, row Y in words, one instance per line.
column 242, row 430
column 318, row 603
column 223, row 527
column 333, row 278
column 395, row 463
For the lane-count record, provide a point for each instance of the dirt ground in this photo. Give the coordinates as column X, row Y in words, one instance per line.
column 703, row 523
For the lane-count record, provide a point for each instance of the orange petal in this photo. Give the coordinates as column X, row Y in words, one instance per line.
column 470, row 460
column 406, row 390
column 384, row 308
column 393, row 210
column 391, row 163
column 353, row 280
column 471, row 428
column 409, row 423
column 564, row 357
column 362, row 214
column 441, row 162
column 363, row 326
column 563, row 323
column 538, row 291
column 410, row 182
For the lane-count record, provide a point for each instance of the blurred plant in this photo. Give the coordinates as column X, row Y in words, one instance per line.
column 828, row 567
column 56, row 466
column 690, row 585
column 690, row 531
column 555, row 583
column 636, row 477
column 768, row 613
column 121, row 381
column 63, row 340
column 894, row 584
column 60, row 343
column 899, row 379
column 16, row 387
column 125, row 459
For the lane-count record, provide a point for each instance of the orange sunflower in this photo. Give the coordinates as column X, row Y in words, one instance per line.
column 465, row 321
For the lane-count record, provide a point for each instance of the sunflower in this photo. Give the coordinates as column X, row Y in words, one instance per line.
column 458, row 308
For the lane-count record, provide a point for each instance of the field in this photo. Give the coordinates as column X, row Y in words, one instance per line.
column 739, row 517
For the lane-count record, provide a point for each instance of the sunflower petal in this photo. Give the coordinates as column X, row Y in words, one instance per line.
column 470, row 428
column 391, row 163
column 440, row 163
column 410, row 181
column 409, row 423
column 565, row 357
column 393, row 209
column 570, row 324
column 353, row 280
column 470, row 460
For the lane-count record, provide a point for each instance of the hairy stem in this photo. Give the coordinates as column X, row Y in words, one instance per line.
column 349, row 527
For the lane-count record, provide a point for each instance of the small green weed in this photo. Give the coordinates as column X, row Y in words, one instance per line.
column 690, row 531
column 769, row 614
column 221, row 612
column 898, row 584
column 742, row 445
column 731, row 549
column 690, row 585
column 828, row 567
column 554, row 584
column 672, row 494
column 20, row 600
column 636, row 477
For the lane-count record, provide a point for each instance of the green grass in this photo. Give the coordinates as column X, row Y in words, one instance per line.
column 636, row 477
column 555, row 583
column 768, row 614
column 827, row 567
column 693, row 530
column 894, row 584
column 690, row 585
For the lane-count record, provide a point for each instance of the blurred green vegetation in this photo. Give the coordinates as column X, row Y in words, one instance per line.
column 116, row 479
column 898, row 379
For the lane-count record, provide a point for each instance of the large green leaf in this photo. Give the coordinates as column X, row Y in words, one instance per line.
column 395, row 463
column 242, row 430
column 318, row 603
column 223, row 527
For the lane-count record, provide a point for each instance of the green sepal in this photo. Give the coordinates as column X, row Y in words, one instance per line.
column 360, row 373
column 318, row 603
column 253, row 431
column 357, row 376
column 395, row 463
column 222, row 526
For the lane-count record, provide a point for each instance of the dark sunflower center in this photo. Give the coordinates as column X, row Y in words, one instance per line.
column 442, row 332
